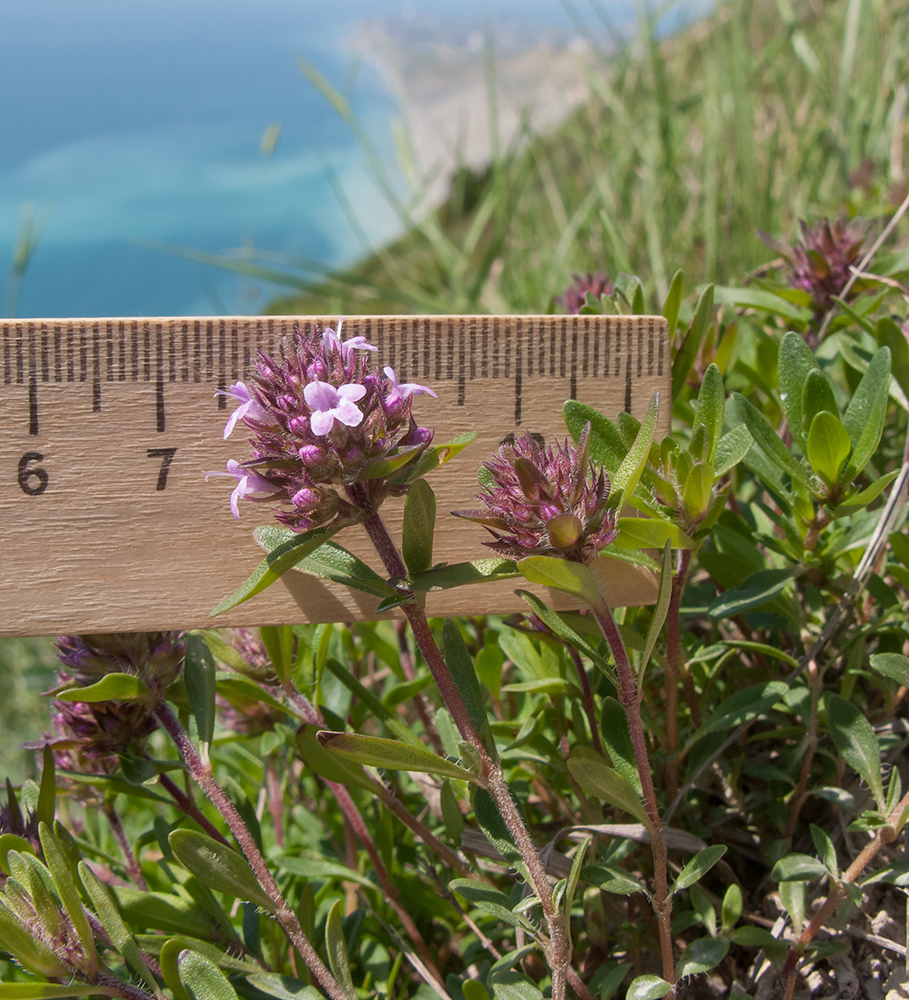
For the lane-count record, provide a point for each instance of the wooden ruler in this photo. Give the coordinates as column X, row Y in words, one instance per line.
column 108, row 425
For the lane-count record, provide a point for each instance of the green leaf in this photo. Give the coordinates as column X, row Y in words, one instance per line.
column 697, row 495
column 573, row 876
column 590, row 770
column 337, row 950
column 26, row 949
column 513, row 986
column 419, row 526
column 651, row 533
column 857, row 743
column 698, row 867
column 889, row 333
column 763, row 300
column 647, row 988
column 62, row 877
column 625, row 479
column 854, row 502
column 12, row 842
column 893, row 665
column 570, row 577
column 732, row 448
column 46, row 808
column 331, row 561
column 757, row 589
column 117, row 931
column 661, row 608
column 864, row 419
column 691, row 345
column 434, row 456
column 605, row 442
column 701, row 956
column 460, row 664
column 766, row 438
column 795, row 363
column 111, row 687
column 202, row 979
column 798, row 868
column 374, row 751
column 283, row 987
column 282, row 556
column 828, row 447
column 825, row 849
column 710, row 411
column 731, row 908
column 617, row 740
column 218, row 866
column 497, row 833
column 36, row 990
column 611, row 878
column 743, row 706
column 164, row 911
column 489, row 900
column 199, row 675
column 817, row 395
column 673, row 302
column 459, row 574
column 561, row 627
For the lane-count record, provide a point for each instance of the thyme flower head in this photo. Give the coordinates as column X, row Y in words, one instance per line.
column 88, row 732
column 574, row 295
column 322, row 422
column 545, row 500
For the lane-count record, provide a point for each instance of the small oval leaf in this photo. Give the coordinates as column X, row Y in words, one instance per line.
column 218, row 866
column 376, row 751
column 111, row 687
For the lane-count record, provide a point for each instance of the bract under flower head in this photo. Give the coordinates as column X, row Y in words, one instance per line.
column 322, row 422
column 545, row 500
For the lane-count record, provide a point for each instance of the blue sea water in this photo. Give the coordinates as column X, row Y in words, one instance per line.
column 126, row 123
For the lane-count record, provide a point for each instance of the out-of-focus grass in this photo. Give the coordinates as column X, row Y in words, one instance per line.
column 26, row 669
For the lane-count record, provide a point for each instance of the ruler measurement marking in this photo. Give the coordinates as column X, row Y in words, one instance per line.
column 650, row 338
column 58, row 354
column 518, row 379
column 573, row 394
column 96, row 369
column 628, row 383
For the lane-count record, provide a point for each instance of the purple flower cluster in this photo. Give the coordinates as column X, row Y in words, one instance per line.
column 322, row 420
column 89, row 732
column 545, row 500
column 573, row 297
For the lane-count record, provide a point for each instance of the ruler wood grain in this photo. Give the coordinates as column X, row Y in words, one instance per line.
column 108, row 425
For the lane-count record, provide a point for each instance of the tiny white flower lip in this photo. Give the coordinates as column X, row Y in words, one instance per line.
column 248, row 407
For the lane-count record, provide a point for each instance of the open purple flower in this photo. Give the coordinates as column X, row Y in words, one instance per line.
column 332, row 339
column 247, row 482
column 329, row 404
column 249, row 408
column 407, row 388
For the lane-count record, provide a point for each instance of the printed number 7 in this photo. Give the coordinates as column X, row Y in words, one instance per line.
column 167, row 456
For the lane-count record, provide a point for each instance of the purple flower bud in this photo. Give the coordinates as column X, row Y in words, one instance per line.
column 574, row 295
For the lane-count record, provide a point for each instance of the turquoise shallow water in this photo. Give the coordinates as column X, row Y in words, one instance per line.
column 124, row 121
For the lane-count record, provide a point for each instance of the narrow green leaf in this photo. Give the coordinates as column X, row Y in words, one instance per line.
column 763, row 300
column 164, row 911
column 460, row 574
column 117, row 931
column 460, row 664
column 611, row 878
column 281, row 557
column 768, row 440
column 199, row 675
column 647, row 988
column 46, row 808
column 710, row 410
column 111, row 687
column 374, row 751
column 795, row 363
column 625, row 479
column 698, row 867
column 691, row 345
column 218, row 866
column 37, row 990
column 889, row 334
column 661, row 608
column 66, row 889
column 701, row 956
column 435, row 456
column 824, row 847
column 743, row 706
column 697, row 495
column 757, row 589
column 12, row 842
column 513, row 985
column 731, row 908
column 605, row 442
column 864, row 418
column 595, row 776
column 569, row 577
column 283, row 987
column 337, row 950
column 828, row 447
column 419, row 526
column 857, row 743
column 202, row 979
column 732, row 448
column 893, row 665
column 483, row 897
column 331, row 561
column 651, row 533
column 328, row 765
column 817, row 395
column 494, row 827
column 26, row 949
column 617, row 740
column 574, row 875
column 798, row 868
column 561, row 627
column 854, row 502
column 673, row 302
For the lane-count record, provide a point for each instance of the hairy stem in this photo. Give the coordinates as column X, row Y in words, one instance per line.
column 200, row 771
column 630, row 698
column 190, row 808
column 587, row 696
column 673, row 663
column 494, row 778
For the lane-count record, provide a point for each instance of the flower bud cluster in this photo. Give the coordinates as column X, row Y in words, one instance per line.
column 574, row 296
column 322, row 420
column 545, row 500
column 92, row 732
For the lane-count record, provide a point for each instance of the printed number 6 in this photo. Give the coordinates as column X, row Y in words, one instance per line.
column 36, row 472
